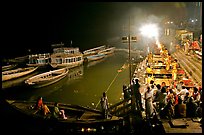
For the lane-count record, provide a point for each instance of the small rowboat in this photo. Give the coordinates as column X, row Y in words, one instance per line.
column 19, row 72
column 47, row 78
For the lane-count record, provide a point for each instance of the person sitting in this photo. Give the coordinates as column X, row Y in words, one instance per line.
column 58, row 113
column 46, row 110
column 39, row 104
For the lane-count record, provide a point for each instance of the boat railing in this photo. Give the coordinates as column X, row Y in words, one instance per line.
column 121, row 108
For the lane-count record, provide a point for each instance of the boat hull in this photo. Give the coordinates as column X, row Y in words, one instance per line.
column 68, row 65
column 47, row 78
column 95, row 57
column 78, row 117
column 8, row 67
column 17, row 73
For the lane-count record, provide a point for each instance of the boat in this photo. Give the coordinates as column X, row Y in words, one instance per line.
column 47, row 78
column 17, row 82
column 66, row 57
column 95, row 57
column 8, row 67
column 107, row 51
column 38, row 59
column 79, row 118
column 15, row 73
column 93, row 51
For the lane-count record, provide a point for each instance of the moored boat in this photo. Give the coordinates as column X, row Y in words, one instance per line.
column 39, row 59
column 95, row 57
column 47, row 78
column 8, row 67
column 12, row 74
column 66, row 57
column 107, row 51
column 79, row 118
column 93, row 51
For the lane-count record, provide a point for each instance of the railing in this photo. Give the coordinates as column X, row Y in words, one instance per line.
column 121, row 108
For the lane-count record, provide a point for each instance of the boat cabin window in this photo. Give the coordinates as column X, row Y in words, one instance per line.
column 78, row 59
column 58, row 60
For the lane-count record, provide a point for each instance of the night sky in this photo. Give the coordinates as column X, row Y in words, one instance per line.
column 35, row 26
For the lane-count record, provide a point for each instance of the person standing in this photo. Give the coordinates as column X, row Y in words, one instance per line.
column 104, row 105
column 174, row 69
column 137, row 94
column 148, row 102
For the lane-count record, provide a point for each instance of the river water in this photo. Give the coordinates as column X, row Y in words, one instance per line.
column 83, row 85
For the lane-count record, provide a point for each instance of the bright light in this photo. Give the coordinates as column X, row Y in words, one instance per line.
column 149, row 30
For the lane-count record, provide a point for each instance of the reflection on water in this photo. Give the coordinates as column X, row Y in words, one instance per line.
column 83, row 85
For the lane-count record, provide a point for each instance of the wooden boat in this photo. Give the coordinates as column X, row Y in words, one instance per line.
column 8, row 67
column 66, row 57
column 93, row 51
column 17, row 82
column 79, row 118
column 107, row 51
column 12, row 74
column 95, row 57
column 47, row 78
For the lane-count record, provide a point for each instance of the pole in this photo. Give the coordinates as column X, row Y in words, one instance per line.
column 129, row 52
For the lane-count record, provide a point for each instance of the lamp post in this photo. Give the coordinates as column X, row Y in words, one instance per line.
column 130, row 74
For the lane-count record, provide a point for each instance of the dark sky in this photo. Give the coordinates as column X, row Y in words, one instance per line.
column 35, row 26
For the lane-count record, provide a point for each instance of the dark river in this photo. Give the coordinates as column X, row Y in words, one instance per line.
column 83, row 85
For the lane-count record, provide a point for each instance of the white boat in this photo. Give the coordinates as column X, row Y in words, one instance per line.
column 19, row 72
column 107, row 51
column 47, row 78
column 66, row 57
column 95, row 57
column 39, row 59
column 93, row 51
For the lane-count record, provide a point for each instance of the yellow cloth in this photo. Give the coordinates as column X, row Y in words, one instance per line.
column 149, row 79
column 149, row 70
column 174, row 65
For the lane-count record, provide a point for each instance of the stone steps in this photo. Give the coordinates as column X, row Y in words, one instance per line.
column 192, row 68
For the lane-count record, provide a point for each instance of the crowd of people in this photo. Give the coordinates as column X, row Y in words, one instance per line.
column 175, row 100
